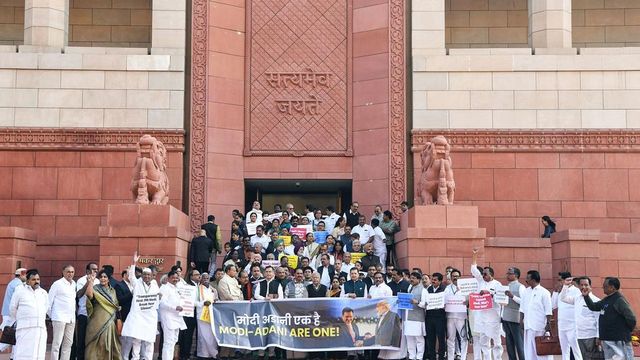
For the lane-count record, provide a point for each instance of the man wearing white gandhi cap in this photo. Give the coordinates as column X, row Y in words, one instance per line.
column 143, row 318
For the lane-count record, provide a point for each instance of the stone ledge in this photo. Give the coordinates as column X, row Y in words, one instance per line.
column 516, row 242
column 92, row 61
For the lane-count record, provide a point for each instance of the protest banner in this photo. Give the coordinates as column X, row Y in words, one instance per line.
column 187, row 300
column 308, row 324
column 272, row 263
column 272, row 217
column 467, row 286
column 251, row 228
column 435, row 301
column 286, row 240
column 455, row 304
column 300, row 230
column 320, row 236
column 500, row 297
column 404, row 301
column 480, row 302
column 292, row 260
column 355, row 257
column 147, row 302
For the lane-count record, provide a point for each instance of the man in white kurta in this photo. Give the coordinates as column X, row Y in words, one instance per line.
column 205, row 296
column 62, row 311
column 170, row 318
column 488, row 322
column 566, row 318
column 586, row 320
column 29, row 307
column 141, row 323
column 456, row 319
column 535, row 306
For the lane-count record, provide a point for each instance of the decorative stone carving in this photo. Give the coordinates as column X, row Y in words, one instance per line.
column 150, row 183
column 436, row 181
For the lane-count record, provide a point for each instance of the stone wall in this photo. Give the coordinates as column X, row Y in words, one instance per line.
column 11, row 22
column 63, row 197
column 606, row 23
column 512, row 89
column 525, row 253
column 486, row 23
column 92, row 87
column 118, row 23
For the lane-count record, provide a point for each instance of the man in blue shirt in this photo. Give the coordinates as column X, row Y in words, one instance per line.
column 7, row 320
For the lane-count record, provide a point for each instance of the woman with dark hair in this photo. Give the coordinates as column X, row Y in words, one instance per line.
column 338, row 229
column 103, row 310
column 335, row 289
column 549, row 226
column 338, row 250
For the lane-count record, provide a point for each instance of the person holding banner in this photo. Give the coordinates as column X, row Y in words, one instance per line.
column 456, row 311
column 205, row 296
column 488, row 321
column 414, row 327
column 296, row 288
column 268, row 288
column 170, row 317
column 436, row 319
column 355, row 287
column 141, row 323
column 316, row 289
column 379, row 289
column 535, row 309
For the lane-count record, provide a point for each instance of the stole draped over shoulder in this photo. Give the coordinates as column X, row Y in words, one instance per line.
column 102, row 340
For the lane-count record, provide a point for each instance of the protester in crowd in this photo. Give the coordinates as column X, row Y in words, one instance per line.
column 141, row 323
column 354, row 287
column 28, row 307
column 170, row 318
column 398, row 284
column 62, row 311
column 370, row 259
column 364, row 230
column 511, row 315
column 616, row 321
column 379, row 288
column 326, row 270
column 414, row 326
column 205, row 296
column 102, row 338
column 566, row 318
column 296, row 288
column 404, row 206
column 436, row 320
column 269, row 286
column 389, row 227
column 335, row 289
column 185, row 337
column 586, row 321
column 316, row 289
column 245, row 285
column 535, row 307
column 352, row 215
column 7, row 320
column 456, row 320
column 83, row 283
column 488, row 321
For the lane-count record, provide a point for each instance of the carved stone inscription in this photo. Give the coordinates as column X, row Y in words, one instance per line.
column 297, row 72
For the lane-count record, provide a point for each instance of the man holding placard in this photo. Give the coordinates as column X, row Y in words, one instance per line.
column 141, row 323
column 456, row 310
column 487, row 321
column 436, row 320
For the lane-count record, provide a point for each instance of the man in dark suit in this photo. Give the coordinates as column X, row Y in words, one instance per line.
column 349, row 332
column 200, row 252
column 398, row 284
column 213, row 232
column 370, row 259
column 388, row 331
column 326, row 270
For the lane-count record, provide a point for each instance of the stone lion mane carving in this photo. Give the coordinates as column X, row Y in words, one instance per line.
column 150, row 183
column 436, row 180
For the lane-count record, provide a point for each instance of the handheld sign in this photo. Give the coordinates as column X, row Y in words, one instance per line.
column 286, row 240
column 299, row 230
column 272, row 263
column 455, row 304
column 187, row 300
column 467, row 286
column 480, row 302
column 320, row 236
column 404, row 301
column 293, row 261
column 355, row 257
column 500, row 297
column 435, row 301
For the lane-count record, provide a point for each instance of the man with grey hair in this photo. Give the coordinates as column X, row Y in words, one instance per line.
column 141, row 323
column 62, row 311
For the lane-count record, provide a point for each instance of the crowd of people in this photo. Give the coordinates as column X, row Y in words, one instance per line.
column 316, row 254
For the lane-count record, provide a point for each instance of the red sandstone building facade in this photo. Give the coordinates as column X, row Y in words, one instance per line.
column 330, row 101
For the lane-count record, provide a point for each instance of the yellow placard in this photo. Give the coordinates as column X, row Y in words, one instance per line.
column 285, row 239
column 293, row 261
column 355, row 257
column 206, row 315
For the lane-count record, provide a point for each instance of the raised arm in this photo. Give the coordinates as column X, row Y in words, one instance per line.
column 474, row 266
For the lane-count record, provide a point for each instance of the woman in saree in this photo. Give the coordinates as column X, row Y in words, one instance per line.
column 102, row 340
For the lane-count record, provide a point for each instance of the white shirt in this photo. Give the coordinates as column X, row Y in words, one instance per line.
column 325, row 279
column 266, row 283
column 453, row 290
column 169, row 301
column 379, row 291
column 141, row 324
column 586, row 321
column 365, row 232
column 535, row 304
column 492, row 315
column 379, row 244
column 62, row 301
column 566, row 313
column 330, row 222
column 29, row 307
column 82, row 302
column 264, row 240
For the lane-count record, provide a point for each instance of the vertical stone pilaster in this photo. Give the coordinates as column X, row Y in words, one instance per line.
column 577, row 251
column 428, row 27
column 168, row 26
column 550, row 24
column 46, row 23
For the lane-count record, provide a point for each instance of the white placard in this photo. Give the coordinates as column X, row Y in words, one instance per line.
column 272, row 263
column 147, row 303
column 187, row 300
column 435, row 301
column 500, row 297
column 455, row 304
column 467, row 286
column 271, row 217
column 251, row 228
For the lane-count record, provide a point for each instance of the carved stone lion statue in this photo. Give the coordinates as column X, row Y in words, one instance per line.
column 150, row 183
column 436, row 180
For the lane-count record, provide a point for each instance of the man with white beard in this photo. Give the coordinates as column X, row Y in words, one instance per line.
column 205, row 296
column 29, row 307
column 141, row 323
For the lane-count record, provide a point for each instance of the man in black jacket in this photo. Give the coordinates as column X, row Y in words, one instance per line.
column 213, row 232
column 200, row 252
column 616, row 321
column 436, row 321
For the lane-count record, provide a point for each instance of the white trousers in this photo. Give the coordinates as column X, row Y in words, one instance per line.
column 382, row 254
column 126, row 344
column 457, row 326
column 141, row 352
column 485, row 343
column 568, row 342
column 207, row 345
column 477, row 350
column 170, row 341
column 62, row 340
column 415, row 347
column 31, row 344
column 530, row 345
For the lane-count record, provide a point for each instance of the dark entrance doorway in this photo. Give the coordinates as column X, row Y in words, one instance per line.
column 319, row 193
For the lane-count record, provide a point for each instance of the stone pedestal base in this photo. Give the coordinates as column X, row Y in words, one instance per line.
column 434, row 237
column 577, row 251
column 17, row 249
column 159, row 233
